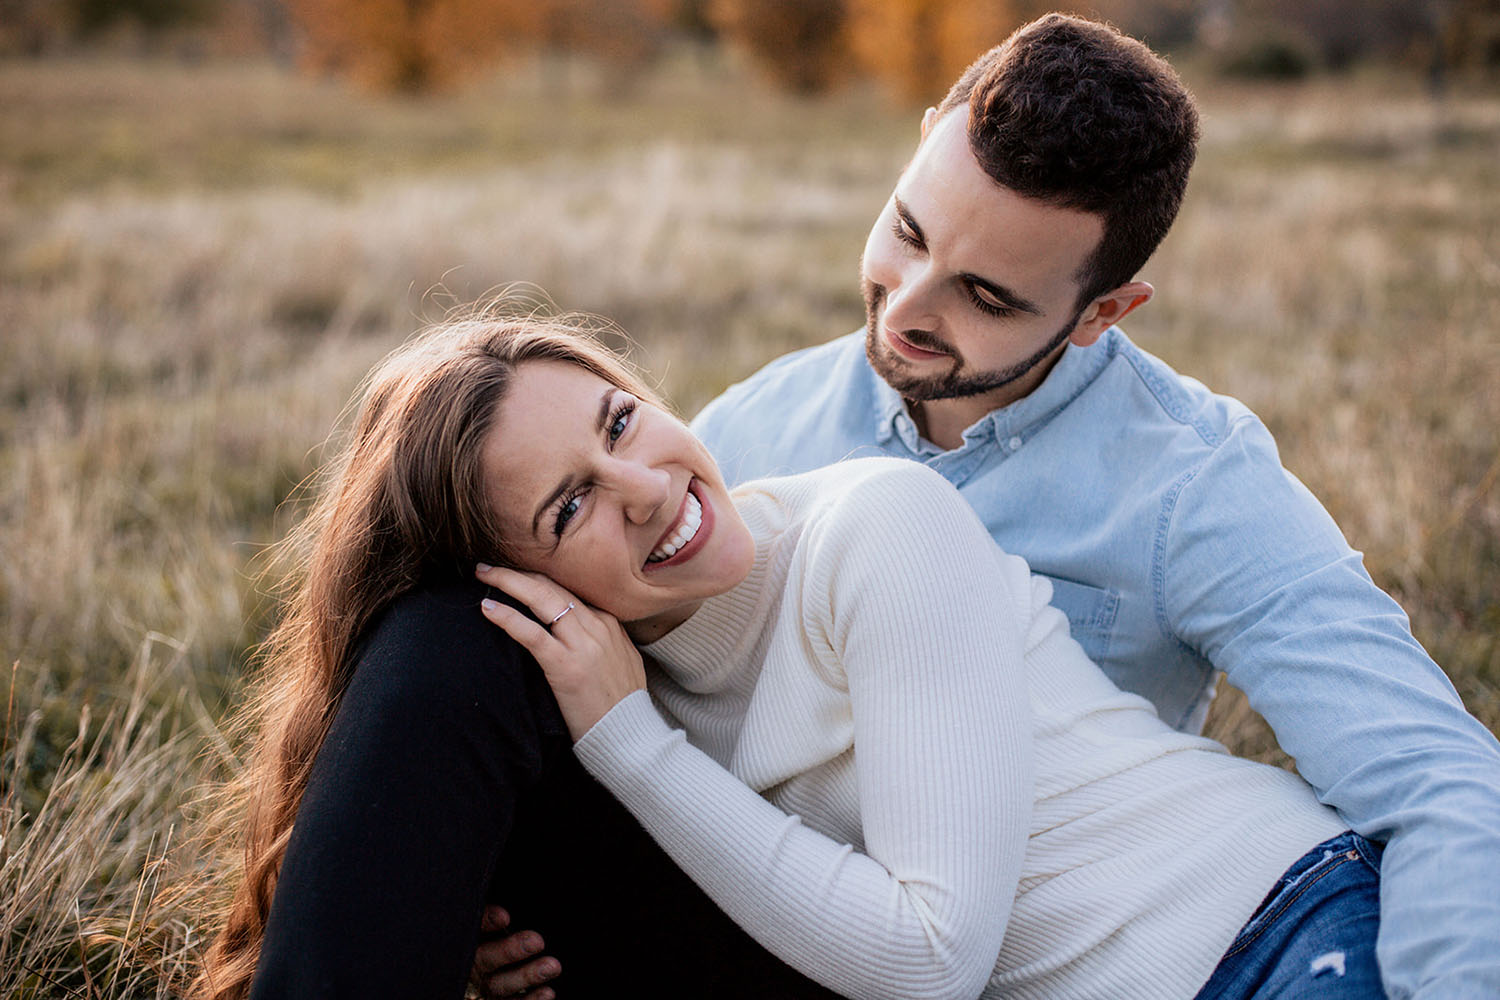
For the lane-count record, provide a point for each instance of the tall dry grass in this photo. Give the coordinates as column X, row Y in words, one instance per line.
column 92, row 905
column 198, row 264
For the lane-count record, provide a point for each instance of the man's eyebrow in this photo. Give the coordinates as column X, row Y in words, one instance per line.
column 1008, row 298
column 600, row 419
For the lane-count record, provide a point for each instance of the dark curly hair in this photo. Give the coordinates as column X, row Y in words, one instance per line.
column 1073, row 113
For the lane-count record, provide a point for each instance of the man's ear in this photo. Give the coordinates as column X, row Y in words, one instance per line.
column 929, row 118
column 1107, row 310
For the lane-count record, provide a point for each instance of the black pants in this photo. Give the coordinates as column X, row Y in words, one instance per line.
column 447, row 780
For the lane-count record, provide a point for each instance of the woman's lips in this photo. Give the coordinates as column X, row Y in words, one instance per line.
column 695, row 543
column 907, row 349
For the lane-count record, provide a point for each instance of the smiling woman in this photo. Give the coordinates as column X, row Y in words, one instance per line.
column 899, row 771
column 410, row 762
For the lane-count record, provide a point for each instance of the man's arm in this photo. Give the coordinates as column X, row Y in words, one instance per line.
column 1254, row 574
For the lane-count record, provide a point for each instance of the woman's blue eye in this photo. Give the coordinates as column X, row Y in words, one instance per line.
column 565, row 514
column 619, row 420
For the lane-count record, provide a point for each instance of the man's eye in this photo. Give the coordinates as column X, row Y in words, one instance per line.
column 985, row 301
column 904, row 234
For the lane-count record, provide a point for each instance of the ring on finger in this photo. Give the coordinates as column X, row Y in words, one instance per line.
column 559, row 616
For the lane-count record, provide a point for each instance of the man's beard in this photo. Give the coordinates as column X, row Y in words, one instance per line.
column 957, row 382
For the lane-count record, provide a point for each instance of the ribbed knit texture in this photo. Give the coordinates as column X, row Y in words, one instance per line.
column 894, row 763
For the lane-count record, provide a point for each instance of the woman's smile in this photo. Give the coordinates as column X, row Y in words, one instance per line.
column 689, row 526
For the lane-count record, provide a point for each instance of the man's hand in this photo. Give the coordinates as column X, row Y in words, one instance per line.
column 509, row 964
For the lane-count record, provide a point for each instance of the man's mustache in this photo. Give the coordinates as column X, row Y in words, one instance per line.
column 875, row 298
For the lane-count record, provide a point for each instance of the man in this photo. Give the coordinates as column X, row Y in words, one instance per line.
column 1176, row 543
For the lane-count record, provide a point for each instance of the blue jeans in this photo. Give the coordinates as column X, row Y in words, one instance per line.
column 1314, row 935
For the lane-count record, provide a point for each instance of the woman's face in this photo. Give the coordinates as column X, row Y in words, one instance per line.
column 612, row 498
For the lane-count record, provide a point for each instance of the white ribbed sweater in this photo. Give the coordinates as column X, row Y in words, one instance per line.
column 899, row 773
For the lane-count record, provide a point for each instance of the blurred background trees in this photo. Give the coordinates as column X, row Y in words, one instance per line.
column 913, row 48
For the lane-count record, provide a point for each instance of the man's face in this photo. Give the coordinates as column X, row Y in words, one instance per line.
column 970, row 289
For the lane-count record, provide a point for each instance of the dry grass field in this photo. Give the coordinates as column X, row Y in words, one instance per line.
column 197, row 264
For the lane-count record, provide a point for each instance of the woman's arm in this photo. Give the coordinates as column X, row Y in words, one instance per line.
column 942, row 731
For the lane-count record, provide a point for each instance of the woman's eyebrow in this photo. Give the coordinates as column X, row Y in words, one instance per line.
column 600, row 419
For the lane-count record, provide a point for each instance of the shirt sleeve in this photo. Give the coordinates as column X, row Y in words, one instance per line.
column 1255, row 575
column 942, row 750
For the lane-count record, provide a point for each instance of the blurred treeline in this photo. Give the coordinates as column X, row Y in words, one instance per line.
column 913, row 48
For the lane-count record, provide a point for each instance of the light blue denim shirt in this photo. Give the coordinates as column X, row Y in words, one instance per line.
column 1178, row 546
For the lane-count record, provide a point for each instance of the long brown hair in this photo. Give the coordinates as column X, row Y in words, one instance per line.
column 404, row 497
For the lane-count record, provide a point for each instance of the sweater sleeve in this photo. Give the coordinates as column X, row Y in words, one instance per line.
column 942, row 754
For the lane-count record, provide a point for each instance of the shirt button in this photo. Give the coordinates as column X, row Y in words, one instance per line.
column 1013, row 444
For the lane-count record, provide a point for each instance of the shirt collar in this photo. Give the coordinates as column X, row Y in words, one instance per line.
column 1073, row 373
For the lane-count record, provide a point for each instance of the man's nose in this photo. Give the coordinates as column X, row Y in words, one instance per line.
column 909, row 304
column 643, row 490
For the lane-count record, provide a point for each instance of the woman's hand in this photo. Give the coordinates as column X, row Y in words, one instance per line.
column 587, row 657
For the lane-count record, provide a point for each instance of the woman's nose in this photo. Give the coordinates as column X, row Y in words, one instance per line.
column 643, row 490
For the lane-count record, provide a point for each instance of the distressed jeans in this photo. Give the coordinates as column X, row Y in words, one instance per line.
column 1313, row 935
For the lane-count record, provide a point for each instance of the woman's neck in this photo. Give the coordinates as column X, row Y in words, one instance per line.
column 648, row 630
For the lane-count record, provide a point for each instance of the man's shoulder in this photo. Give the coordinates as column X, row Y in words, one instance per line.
column 803, row 410
column 1142, row 387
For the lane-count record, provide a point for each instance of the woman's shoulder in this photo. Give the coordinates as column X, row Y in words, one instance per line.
column 433, row 647
column 891, row 494
column 881, row 506
column 861, row 480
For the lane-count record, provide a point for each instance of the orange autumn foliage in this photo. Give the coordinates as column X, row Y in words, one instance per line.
column 419, row 45
column 799, row 44
column 918, row 48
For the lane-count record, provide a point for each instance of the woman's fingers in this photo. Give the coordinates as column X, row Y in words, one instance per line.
column 539, row 593
column 520, row 628
column 588, row 658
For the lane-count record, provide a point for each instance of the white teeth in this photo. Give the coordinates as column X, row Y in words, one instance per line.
column 692, row 519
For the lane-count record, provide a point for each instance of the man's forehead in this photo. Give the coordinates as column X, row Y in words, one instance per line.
column 986, row 226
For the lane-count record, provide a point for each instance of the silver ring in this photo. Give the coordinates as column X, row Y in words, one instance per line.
column 564, row 611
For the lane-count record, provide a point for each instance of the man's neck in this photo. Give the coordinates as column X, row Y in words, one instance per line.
column 943, row 423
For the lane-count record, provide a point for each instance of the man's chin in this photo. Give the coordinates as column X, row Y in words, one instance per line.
column 896, row 371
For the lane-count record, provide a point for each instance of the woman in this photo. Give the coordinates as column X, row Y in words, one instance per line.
column 1003, row 797
column 409, row 762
